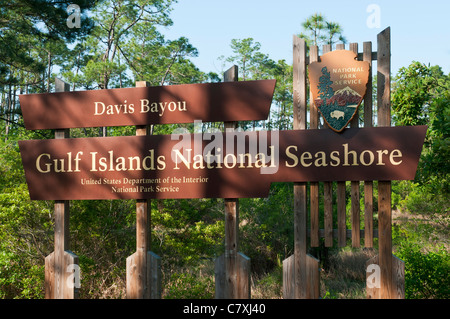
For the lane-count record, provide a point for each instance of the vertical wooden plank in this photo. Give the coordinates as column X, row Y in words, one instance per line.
column 243, row 280
column 328, row 213
column 313, row 277
column 385, row 237
column 219, row 277
column 372, row 291
column 314, row 213
column 314, row 186
column 340, row 46
column 50, row 276
column 368, row 214
column 313, row 112
column 354, row 185
column 299, row 83
column 62, row 216
column 70, row 276
column 288, row 278
column 355, row 211
column 368, row 100
column 368, row 122
column 233, row 277
column 300, row 241
column 138, row 283
column 384, row 187
column 341, row 214
column 341, row 199
column 399, row 278
column 231, row 247
column 300, row 212
column 328, row 194
column 384, row 78
column 231, row 218
column 154, row 275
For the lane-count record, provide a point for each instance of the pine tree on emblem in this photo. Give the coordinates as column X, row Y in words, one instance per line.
column 325, row 89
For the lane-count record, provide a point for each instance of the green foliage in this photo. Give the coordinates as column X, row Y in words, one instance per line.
column 422, row 97
column 24, row 230
column 319, row 31
column 426, row 273
column 190, row 286
column 187, row 230
column 266, row 227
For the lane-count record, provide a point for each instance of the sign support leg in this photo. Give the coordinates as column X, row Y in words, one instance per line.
column 60, row 281
column 143, row 267
column 232, row 270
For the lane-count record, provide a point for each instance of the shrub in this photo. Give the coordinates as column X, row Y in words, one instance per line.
column 426, row 273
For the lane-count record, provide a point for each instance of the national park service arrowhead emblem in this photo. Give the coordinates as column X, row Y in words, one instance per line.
column 338, row 85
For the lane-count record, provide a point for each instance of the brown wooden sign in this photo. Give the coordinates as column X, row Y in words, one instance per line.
column 338, row 84
column 208, row 102
column 221, row 165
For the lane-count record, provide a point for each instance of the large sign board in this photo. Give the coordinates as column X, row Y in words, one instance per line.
column 207, row 102
column 221, row 165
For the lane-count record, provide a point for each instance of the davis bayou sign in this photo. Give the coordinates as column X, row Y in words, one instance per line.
column 228, row 164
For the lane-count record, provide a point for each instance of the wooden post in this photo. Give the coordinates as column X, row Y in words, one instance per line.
column 373, row 285
column 300, row 271
column 340, row 199
column 232, row 270
column 368, row 122
column 328, row 194
column 143, row 267
column 384, row 187
column 314, row 186
column 57, row 264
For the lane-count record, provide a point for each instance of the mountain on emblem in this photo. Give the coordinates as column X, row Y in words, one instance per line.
column 338, row 84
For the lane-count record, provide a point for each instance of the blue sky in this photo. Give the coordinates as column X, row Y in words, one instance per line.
column 419, row 29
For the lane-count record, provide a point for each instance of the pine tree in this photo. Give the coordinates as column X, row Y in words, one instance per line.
column 325, row 89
